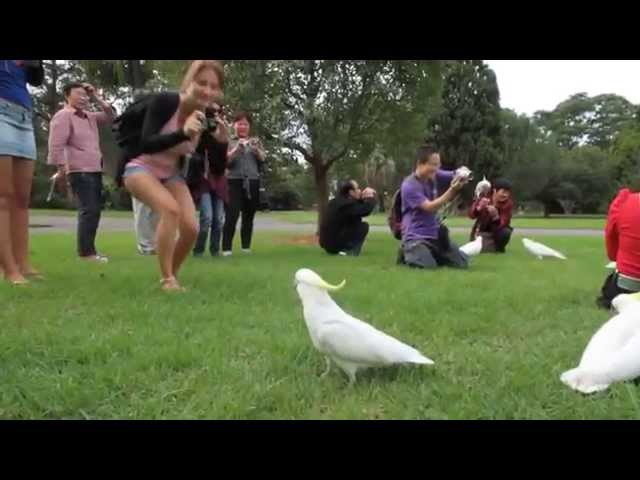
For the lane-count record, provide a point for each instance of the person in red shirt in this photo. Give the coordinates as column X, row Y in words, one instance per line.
column 492, row 215
column 622, row 238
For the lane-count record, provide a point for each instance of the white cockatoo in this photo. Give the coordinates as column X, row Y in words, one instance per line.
column 351, row 343
column 482, row 188
column 473, row 248
column 613, row 353
column 539, row 250
column 464, row 173
column 624, row 301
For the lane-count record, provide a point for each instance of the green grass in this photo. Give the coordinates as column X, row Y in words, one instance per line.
column 102, row 341
column 310, row 217
column 302, row 217
column 74, row 213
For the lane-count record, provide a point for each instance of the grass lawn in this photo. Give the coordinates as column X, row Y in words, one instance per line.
column 74, row 213
column 304, row 217
column 301, row 217
column 102, row 341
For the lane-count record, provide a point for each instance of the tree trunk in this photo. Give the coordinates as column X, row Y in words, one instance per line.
column 52, row 91
column 136, row 79
column 322, row 190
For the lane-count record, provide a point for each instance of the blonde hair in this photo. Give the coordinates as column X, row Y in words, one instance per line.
column 196, row 67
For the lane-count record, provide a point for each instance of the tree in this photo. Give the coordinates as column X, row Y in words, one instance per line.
column 584, row 120
column 626, row 155
column 330, row 111
column 468, row 125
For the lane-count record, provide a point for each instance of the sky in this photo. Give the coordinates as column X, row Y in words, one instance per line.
column 530, row 85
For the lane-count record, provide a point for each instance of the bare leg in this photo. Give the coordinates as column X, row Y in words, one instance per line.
column 7, row 199
column 22, row 181
column 151, row 192
column 187, row 226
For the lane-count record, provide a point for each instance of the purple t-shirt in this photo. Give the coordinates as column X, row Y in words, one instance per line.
column 416, row 223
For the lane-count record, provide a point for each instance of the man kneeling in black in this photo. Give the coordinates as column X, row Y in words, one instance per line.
column 343, row 231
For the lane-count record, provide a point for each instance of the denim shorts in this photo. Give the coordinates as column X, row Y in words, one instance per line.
column 135, row 169
column 16, row 131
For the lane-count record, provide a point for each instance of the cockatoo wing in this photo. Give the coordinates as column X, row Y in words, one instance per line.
column 624, row 364
column 539, row 249
column 360, row 343
column 472, row 248
column 620, row 365
column 608, row 339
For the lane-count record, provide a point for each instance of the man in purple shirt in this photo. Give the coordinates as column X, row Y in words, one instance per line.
column 425, row 240
column 74, row 147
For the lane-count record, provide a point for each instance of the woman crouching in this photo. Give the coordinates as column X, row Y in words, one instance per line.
column 171, row 129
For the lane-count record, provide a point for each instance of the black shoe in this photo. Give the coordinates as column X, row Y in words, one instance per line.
column 603, row 303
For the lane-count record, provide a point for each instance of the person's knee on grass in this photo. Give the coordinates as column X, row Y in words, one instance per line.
column 425, row 240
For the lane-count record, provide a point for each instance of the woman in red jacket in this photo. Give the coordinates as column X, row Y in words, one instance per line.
column 622, row 235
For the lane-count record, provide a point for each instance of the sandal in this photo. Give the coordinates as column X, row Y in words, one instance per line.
column 33, row 275
column 171, row 284
column 18, row 282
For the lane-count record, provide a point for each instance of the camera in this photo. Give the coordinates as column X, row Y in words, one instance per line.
column 210, row 123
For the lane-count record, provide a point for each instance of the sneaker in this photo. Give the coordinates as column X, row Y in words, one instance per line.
column 142, row 251
column 226, row 254
column 96, row 258
column 342, row 254
column 246, row 250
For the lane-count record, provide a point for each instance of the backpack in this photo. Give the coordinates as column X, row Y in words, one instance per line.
column 395, row 215
column 127, row 129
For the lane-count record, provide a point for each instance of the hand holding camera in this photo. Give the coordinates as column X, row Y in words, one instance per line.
column 211, row 120
column 255, row 144
column 194, row 124
column 368, row 193
column 457, row 184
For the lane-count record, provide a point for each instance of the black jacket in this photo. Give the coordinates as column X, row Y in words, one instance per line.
column 343, row 215
column 159, row 111
column 34, row 71
column 212, row 150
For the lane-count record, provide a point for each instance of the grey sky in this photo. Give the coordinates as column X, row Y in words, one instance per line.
column 530, row 85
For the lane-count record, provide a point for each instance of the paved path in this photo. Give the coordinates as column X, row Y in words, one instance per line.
column 58, row 224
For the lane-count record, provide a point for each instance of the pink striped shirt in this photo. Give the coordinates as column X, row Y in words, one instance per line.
column 74, row 140
column 164, row 164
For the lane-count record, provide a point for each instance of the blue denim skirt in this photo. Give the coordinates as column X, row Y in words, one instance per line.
column 16, row 131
